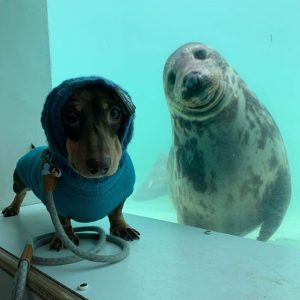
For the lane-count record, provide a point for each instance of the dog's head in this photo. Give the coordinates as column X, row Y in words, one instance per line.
column 88, row 123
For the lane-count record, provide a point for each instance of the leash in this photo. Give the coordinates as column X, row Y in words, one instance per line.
column 50, row 174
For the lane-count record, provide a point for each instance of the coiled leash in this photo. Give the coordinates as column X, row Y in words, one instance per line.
column 50, row 173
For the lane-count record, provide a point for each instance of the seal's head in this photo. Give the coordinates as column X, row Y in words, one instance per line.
column 193, row 78
column 88, row 122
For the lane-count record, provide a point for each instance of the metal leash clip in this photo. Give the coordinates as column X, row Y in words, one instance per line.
column 49, row 171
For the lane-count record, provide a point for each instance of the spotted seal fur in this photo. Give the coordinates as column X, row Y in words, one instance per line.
column 228, row 168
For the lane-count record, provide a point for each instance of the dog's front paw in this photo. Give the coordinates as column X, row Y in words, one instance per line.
column 10, row 211
column 125, row 232
column 57, row 244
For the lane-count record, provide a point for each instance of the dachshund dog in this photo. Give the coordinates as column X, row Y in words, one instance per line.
column 87, row 138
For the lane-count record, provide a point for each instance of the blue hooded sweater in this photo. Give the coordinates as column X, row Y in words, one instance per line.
column 79, row 198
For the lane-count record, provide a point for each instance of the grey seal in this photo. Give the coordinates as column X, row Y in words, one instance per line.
column 228, row 167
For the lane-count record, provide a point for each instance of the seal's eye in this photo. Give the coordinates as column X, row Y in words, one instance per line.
column 172, row 78
column 71, row 118
column 200, row 54
column 115, row 114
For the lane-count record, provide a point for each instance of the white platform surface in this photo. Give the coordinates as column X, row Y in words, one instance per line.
column 170, row 261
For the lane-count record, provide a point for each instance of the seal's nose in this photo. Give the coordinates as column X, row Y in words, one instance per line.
column 99, row 167
column 192, row 84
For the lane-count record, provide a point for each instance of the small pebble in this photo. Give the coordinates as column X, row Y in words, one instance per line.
column 208, row 232
column 83, row 287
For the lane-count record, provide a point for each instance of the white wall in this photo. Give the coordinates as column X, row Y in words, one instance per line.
column 25, row 80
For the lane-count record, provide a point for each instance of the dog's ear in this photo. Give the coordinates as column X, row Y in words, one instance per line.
column 125, row 101
column 125, row 131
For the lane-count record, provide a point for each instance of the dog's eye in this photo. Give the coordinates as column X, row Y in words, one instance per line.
column 115, row 114
column 71, row 118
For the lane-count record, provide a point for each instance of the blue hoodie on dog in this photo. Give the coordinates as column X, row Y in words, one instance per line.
column 79, row 198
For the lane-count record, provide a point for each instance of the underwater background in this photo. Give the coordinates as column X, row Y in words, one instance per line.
column 129, row 42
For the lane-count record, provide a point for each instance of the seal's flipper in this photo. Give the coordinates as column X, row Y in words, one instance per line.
column 156, row 184
column 276, row 201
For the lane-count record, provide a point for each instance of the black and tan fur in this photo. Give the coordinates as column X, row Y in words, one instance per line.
column 91, row 119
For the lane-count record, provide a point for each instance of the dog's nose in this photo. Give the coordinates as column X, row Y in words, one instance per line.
column 100, row 167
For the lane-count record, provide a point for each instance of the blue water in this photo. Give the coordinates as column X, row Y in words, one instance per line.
column 129, row 42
